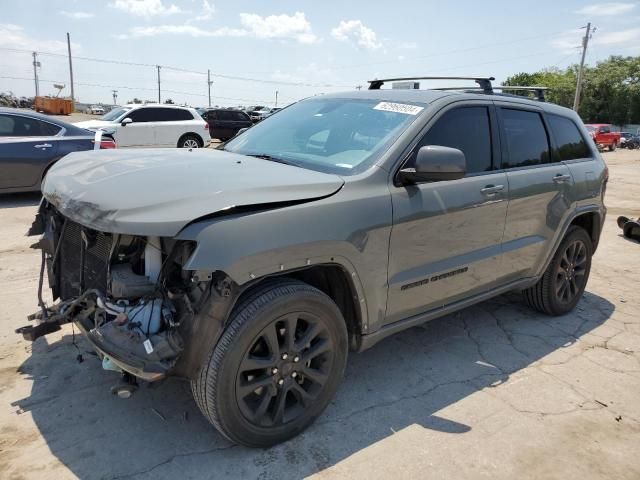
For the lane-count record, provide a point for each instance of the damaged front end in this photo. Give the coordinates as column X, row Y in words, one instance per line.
column 128, row 294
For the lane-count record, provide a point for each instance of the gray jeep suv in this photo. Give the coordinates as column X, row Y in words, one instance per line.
column 252, row 270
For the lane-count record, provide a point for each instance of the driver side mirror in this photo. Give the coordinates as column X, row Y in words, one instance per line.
column 435, row 163
column 126, row 122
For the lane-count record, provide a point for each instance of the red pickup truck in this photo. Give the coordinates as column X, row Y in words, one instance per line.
column 603, row 136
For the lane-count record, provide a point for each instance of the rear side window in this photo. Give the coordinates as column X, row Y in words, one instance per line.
column 570, row 142
column 19, row 126
column 172, row 114
column 240, row 116
column 224, row 115
column 49, row 129
column 526, row 139
column 467, row 129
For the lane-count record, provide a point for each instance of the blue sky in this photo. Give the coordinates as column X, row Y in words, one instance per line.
column 311, row 46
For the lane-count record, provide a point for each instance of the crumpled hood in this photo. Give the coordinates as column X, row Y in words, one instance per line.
column 159, row 191
column 94, row 124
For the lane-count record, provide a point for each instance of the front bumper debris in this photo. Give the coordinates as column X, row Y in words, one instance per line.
column 120, row 342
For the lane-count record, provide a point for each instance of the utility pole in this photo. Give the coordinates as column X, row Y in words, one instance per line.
column 209, row 83
column 158, row 67
column 276, row 99
column 115, row 96
column 73, row 97
column 585, row 42
column 36, row 64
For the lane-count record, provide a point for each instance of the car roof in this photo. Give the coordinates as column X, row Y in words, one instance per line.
column 46, row 118
column 163, row 105
column 430, row 96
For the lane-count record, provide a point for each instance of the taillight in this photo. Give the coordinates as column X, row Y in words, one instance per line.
column 107, row 143
column 206, row 126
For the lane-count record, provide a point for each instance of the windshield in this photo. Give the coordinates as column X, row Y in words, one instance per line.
column 590, row 128
column 333, row 135
column 115, row 114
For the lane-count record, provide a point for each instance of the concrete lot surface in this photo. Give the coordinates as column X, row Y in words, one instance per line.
column 495, row 391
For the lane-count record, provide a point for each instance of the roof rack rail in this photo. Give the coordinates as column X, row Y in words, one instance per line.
column 538, row 91
column 484, row 82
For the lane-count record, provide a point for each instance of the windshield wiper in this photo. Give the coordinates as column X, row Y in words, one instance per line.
column 271, row 158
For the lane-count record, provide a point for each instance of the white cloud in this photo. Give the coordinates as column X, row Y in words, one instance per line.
column 208, row 10
column 77, row 15
column 568, row 41
column 13, row 36
column 606, row 9
column 295, row 27
column 278, row 27
column 191, row 30
column 408, row 45
column 629, row 37
column 145, row 8
column 356, row 32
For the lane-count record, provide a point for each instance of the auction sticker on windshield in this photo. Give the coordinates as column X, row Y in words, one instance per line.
column 398, row 108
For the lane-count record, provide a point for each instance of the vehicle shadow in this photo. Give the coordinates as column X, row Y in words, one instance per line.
column 15, row 200
column 403, row 381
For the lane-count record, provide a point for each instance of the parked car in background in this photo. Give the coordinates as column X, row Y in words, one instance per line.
column 259, row 114
column 95, row 110
column 30, row 143
column 603, row 136
column 275, row 109
column 624, row 136
column 631, row 143
column 224, row 123
column 154, row 125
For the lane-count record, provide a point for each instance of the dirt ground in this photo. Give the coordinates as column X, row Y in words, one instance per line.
column 495, row 391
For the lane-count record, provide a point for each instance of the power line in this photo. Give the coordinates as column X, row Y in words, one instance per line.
column 184, row 70
column 126, row 87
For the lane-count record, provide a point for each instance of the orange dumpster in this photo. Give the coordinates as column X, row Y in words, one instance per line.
column 54, row 106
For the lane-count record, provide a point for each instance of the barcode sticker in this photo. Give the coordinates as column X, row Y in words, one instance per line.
column 148, row 346
column 398, row 108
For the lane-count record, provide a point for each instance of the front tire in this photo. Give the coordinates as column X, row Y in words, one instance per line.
column 563, row 282
column 277, row 365
column 613, row 146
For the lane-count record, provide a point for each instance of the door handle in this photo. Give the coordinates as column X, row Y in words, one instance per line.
column 491, row 190
column 561, row 178
column 43, row 145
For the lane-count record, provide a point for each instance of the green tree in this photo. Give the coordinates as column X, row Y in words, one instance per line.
column 610, row 91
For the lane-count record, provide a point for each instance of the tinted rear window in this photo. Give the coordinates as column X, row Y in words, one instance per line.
column 468, row 130
column 19, row 126
column 224, row 115
column 160, row 114
column 172, row 114
column 571, row 144
column 526, row 138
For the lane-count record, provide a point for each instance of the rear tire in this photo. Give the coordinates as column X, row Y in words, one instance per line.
column 564, row 280
column 277, row 365
column 190, row 140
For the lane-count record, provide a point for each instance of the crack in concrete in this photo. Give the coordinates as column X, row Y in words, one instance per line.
column 170, row 460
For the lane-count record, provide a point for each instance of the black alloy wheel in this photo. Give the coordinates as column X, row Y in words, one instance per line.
column 277, row 365
column 284, row 370
column 561, row 286
column 570, row 272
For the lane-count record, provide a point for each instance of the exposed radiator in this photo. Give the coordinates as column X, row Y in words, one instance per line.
column 95, row 262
